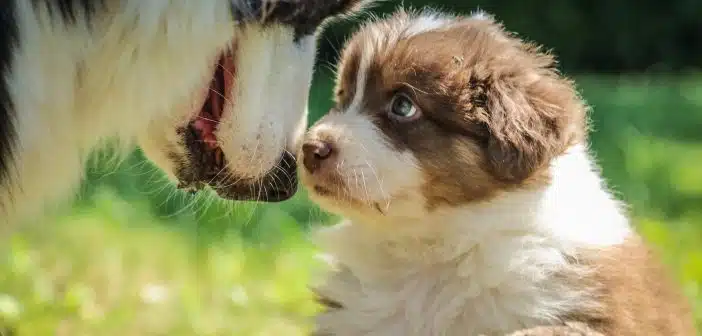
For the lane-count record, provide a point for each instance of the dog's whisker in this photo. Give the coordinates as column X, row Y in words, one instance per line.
column 223, row 169
column 226, row 71
column 207, row 119
column 379, row 181
column 223, row 96
column 365, row 187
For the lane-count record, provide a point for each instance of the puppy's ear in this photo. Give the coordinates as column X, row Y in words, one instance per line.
column 525, row 130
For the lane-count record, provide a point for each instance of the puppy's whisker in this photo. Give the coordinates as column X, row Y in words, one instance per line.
column 365, row 187
column 380, row 184
column 355, row 179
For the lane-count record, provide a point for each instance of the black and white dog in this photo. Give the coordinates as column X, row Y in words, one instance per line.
column 215, row 91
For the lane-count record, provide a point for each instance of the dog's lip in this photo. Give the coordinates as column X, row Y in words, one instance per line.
column 322, row 190
column 337, row 193
column 238, row 189
column 346, row 198
column 331, row 190
column 248, row 192
column 278, row 184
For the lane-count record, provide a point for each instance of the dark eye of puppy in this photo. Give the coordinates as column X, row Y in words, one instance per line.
column 402, row 108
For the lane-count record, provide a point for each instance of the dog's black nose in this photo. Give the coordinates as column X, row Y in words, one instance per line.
column 316, row 152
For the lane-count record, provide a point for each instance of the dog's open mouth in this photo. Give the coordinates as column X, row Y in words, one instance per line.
column 219, row 94
column 207, row 164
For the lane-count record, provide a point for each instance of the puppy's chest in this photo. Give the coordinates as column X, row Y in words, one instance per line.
column 459, row 298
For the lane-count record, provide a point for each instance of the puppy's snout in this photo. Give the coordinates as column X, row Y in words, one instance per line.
column 316, row 153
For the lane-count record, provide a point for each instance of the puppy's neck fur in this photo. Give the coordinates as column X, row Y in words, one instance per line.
column 487, row 267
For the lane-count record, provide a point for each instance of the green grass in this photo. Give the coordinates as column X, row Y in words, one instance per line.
column 109, row 270
column 135, row 258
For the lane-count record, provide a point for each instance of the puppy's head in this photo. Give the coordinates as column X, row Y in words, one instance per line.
column 237, row 132
column 437, row 111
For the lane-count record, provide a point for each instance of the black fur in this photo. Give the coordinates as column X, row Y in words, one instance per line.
column 70, row 10
column 303, row 15
column 8, row 43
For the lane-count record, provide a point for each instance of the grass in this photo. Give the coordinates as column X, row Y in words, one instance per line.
column 109, row 270
column 135, row 258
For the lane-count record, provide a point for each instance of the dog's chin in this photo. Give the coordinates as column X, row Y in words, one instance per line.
column 278, row 184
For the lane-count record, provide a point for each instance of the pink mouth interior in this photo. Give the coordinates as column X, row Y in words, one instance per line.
column 218, row 96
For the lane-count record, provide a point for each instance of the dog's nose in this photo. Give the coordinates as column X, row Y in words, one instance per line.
column 315, row 153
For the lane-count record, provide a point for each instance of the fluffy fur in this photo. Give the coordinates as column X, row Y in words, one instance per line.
column 77, row 72
column 458, row 155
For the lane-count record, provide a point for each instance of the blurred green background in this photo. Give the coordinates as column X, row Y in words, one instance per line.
column 133, row 256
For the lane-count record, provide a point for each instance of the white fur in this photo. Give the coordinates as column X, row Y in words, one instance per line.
column 476, row 269
column 138, row 70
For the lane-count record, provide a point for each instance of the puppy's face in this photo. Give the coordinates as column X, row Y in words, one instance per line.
column 237, row 132
column 435, row 111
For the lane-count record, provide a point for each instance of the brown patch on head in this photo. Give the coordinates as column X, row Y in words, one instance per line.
column 636, row 295
column 494, row 109
column 349, row 64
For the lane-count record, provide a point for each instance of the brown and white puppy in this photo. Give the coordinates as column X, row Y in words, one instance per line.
column 215, row 91
column 459, row 156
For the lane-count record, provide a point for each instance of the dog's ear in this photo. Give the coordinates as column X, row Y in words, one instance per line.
column 526, row 128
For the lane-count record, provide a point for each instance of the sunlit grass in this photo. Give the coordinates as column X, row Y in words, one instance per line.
column 115, row 271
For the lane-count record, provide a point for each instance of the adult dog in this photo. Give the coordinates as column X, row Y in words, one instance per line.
column 214, row 91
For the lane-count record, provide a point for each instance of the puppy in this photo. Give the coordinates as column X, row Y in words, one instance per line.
column 215, row 91
column 458, row 156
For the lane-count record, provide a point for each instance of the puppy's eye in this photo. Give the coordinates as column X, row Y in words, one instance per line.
column 403, row 108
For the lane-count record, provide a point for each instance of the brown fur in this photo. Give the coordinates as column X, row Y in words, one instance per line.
column 637, row 295
column 569, row 329
column 495, row 108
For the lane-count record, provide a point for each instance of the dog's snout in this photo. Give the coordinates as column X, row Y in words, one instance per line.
column 315, row 153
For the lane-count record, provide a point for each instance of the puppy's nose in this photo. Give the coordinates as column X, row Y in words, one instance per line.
column 315, row 153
